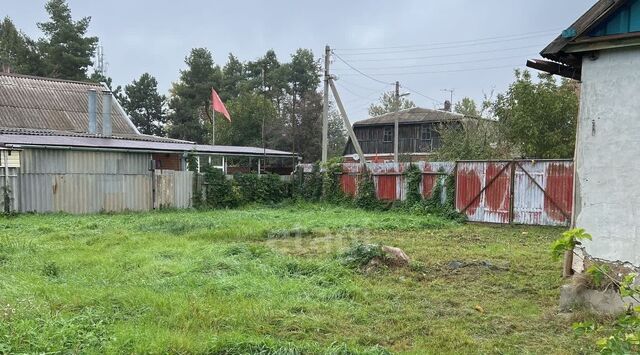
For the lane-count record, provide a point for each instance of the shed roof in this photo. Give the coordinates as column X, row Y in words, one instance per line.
column 412, row 115
column 103, row 143
column 30, row 102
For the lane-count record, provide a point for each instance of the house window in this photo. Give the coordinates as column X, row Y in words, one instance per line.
column 425, row 132
column 426, row 138
column 388, row 135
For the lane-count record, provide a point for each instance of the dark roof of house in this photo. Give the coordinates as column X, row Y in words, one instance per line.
column 412, row 115
column 577, row 31
column 86, row 142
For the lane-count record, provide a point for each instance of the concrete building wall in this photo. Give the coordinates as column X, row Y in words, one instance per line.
column 607, row 201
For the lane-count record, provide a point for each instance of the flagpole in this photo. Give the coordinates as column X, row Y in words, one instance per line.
column 213, row 127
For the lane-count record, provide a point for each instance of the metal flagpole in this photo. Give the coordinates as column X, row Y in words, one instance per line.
column 213, row 126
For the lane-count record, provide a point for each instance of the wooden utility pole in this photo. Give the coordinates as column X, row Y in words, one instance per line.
column 325, row 108
column 396, row 124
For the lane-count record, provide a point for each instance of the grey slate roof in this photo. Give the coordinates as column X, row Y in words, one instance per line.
column 412, row 115
column 41, row 103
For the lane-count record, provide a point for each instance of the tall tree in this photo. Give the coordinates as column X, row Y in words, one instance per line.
column 467, row 106
column 305, row 114
column 190, row 97
column 18, row 53
column 233, row 79
column 66, row 49
column 539, row 118
column 145, row 105
column 337, row 134
column 249, row 111
column 388, row 103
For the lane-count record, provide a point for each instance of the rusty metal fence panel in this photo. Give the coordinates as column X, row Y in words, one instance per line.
column 519, row 191
column 483, row 191
column 543, row 193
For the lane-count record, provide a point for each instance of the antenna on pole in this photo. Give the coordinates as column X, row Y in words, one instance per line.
column 100, row 67
column 450, row 91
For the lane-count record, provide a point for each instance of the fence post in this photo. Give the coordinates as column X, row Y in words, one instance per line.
column 512, row 191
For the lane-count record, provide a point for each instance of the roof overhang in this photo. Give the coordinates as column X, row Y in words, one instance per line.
column 555, row 68
column 107, row 144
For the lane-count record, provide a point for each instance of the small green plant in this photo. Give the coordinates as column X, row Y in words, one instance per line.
column 361, row 254
column 598, row 275
column 51, row 269
column 568, row 241
column 625, row 338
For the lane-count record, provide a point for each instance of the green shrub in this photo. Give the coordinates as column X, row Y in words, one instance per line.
column 253, row 188
column 219, row 192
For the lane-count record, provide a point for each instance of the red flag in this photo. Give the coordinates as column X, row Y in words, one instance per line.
column 217, row 105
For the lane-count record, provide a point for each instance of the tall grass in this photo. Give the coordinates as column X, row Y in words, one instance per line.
column 271, row 281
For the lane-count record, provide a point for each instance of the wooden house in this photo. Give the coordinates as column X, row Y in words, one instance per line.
column 418, row 136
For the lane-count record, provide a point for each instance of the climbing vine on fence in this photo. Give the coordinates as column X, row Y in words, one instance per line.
column 414, row 178
column 331, row 189
column 366, row 196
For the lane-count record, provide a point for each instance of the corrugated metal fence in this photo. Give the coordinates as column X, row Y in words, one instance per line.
column 516, row 191
column 520, row 191
column 90, row 182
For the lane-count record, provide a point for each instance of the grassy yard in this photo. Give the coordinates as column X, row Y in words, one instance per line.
column 273, row 281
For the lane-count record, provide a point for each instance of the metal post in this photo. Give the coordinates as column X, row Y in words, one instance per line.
column 92, row 106
column 7, row 199
column 258, row 166
column 107, row 129
column 325, row 107
column 395, row 123
column 213, row 127
column 347, row 124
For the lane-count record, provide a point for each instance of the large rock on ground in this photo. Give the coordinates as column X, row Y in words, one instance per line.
column 395, row 256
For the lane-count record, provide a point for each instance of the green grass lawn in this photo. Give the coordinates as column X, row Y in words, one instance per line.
column 272, row 280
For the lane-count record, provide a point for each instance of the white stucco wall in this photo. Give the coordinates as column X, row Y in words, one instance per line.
column 608, row 155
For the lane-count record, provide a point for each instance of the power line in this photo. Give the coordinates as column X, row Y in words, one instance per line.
column 446, row 55
column 361, row 73
column 470, row 44
column 448, row 63
column 381, row 81
column 421, row 94
column 448, row 71
column 540, row 33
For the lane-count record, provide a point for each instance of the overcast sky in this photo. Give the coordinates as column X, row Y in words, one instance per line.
column 467, row 45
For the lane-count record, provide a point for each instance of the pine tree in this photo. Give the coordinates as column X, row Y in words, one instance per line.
column 190, row 97
column 66, row 49
column 145, row 105
column 18, row 53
